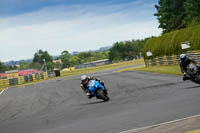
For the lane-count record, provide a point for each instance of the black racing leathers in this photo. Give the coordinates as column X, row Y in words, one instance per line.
column 187, row 73
column 185, row 63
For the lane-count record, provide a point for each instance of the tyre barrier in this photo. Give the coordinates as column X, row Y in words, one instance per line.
column 13, row 81
column 172, row 60
column 4, row 83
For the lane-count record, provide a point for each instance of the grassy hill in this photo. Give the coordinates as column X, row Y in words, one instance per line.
column 170, row 43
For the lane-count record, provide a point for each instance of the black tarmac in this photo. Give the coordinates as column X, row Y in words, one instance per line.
column 137, row 99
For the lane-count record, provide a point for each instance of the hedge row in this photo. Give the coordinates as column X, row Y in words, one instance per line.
column 170, row 43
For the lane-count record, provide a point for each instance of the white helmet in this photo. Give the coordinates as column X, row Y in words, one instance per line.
column 84, row 79
column 183, row 56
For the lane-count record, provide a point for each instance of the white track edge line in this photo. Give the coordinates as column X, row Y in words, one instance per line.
column 3, row 91
column 165, row 123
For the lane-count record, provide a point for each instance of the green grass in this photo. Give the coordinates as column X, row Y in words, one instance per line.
column 171, row 69
column 194, row 131
column 100, row 68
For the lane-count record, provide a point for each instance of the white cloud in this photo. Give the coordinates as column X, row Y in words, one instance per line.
column 74, row 29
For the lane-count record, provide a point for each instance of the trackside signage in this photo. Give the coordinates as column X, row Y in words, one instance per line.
column 185, row 45
column 149, row 53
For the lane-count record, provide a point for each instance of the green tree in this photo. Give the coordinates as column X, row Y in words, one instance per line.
column 85, row 56
column 130, row 50
column 170, row 14
column 127, row 50
column 12, row 67
column 35, row 65
column 58, row 65
column 2, row 67
column 116, row 52
column 74, row 60
column 100, row 55
column 105, row 54
column 40, row 56
column 65, row 56
column 192, row 8
column 50, row 66
column 24, row 65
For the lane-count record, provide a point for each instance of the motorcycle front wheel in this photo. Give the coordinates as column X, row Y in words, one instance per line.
column 197, row 78
column 101, row 95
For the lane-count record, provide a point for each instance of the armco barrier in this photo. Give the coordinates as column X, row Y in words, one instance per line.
column 172, row 60
column 4, row 83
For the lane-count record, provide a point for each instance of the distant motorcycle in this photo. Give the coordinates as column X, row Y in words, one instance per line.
column 194, row 73
column 97, row 89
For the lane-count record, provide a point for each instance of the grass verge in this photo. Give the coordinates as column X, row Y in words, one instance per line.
column 171, row 69
column 194, row 131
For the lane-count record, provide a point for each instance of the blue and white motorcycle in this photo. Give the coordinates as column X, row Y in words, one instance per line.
column 98, row 90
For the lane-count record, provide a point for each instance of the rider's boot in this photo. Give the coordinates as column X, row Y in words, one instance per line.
column 89, row 95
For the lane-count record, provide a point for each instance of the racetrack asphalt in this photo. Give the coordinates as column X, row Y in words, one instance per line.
column 138, row 99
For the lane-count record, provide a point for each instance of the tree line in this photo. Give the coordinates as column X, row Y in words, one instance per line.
column 41, row 57
column 120, row 51
column 177, row 14
column 127, row 50
column 66, row 58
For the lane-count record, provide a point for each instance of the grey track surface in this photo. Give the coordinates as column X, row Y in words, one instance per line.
column 138, row 99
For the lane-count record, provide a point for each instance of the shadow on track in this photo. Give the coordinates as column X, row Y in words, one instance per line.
column 193, row 87
column 97, row 102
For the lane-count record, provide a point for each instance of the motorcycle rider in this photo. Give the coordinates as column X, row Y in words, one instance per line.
column 85, row 85
column 185, row 61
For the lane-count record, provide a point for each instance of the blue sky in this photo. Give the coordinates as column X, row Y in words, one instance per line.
column 73, row 25
column 15, row 7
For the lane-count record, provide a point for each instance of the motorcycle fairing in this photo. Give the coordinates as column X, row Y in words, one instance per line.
column 93, row 85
